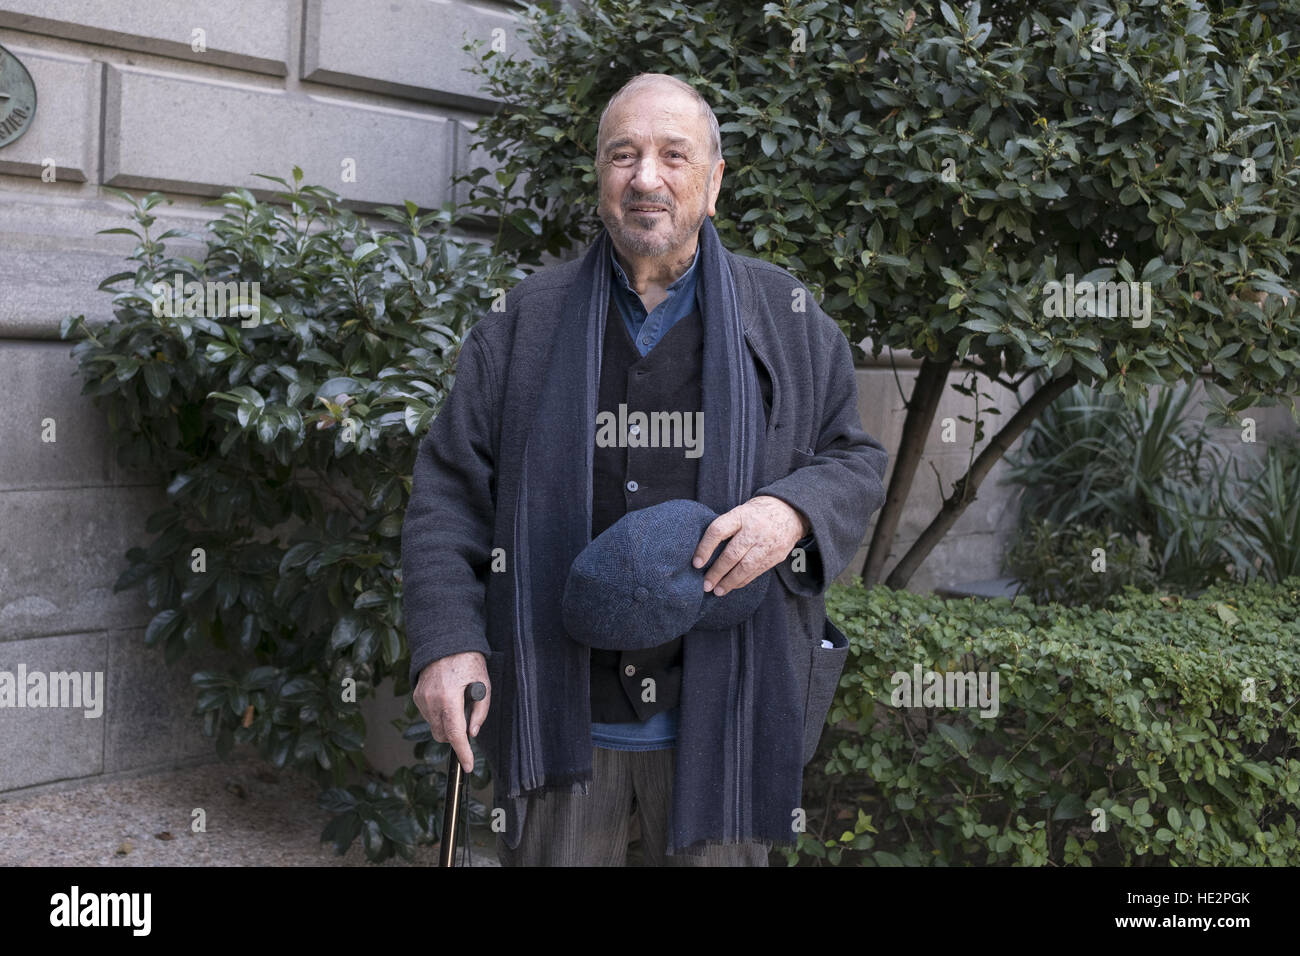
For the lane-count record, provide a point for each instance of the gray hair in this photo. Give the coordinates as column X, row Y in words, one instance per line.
column 646, row 79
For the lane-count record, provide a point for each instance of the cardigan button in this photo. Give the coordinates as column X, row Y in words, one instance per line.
column 632, row 486
column 630, row 670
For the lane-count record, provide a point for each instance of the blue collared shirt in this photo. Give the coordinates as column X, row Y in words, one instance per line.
column 647, row 330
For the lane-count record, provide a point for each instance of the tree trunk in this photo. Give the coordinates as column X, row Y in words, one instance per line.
column 956, row 503
column 921, row 409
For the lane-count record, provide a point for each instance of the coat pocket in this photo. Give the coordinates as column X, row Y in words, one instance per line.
column 825, row 667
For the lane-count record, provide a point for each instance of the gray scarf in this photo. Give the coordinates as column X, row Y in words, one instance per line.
column 737, row 771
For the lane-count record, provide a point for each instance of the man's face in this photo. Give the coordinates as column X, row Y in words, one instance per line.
column 658, row 179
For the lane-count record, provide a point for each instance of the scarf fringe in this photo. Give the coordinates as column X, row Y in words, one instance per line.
column 575, row 781
column 702, row 847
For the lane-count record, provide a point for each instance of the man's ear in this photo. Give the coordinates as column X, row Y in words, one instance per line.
column 715, row 186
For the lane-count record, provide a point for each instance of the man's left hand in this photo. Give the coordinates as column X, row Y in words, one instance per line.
column 763, row 532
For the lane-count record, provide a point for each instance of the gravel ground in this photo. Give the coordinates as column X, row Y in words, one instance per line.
column 255, row 816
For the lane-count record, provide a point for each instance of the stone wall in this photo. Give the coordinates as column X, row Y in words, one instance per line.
column 132, row 95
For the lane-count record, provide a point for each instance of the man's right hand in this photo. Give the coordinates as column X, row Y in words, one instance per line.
column 440, row 697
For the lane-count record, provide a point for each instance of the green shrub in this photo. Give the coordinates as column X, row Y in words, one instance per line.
column 286, row 448
column 928, row 169
column 1093, row 471
column 1172, row 719
column 1266, row 523
column 1060, row 564
column 1089, row 458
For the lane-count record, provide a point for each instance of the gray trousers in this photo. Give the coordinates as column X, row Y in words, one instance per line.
column 592, row 829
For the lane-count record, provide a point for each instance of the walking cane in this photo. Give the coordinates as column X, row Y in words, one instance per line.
column 451, row 807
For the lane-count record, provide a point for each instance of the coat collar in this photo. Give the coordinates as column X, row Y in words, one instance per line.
column 755, row 315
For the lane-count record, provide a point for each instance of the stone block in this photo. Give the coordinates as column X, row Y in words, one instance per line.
column 48, row 743
column 151, row 720
column 170, row 133
column 46, row 387
column 469, row 156
column 958, row 557
column 62, row 551
column 246, row 34
column 54, row 259
column 65, row 130
column 409, row 48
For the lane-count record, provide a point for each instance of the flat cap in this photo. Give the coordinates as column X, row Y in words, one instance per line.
column 634, row 587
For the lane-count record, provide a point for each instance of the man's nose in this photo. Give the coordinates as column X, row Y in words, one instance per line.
column 647, row 174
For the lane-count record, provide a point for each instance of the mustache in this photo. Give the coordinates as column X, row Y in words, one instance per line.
column 648, row 201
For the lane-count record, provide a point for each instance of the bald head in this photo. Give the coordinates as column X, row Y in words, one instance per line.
column 661, row 84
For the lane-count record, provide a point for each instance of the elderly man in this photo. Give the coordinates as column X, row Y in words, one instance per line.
column 704, row 736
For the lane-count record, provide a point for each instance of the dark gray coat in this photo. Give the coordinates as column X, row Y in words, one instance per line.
column 816, row 457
